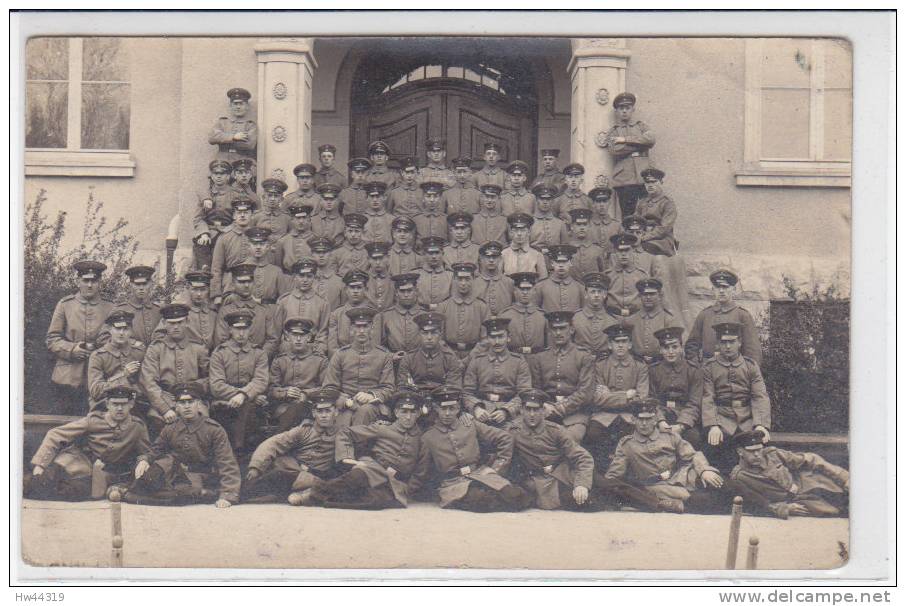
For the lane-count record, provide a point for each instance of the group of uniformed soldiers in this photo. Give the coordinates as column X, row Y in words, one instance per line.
column 426, row 332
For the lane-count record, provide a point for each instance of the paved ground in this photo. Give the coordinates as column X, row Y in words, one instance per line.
column 423, row 536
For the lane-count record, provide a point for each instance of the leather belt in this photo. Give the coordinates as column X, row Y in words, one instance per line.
column 460, row 472
column 495, row 397
column 462, row 346
column 545, row 471
column 737, row 403
column 639, row 154
column 527, row 350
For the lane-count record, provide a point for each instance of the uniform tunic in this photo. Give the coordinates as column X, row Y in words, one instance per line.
column 644, row 324
column 464, row 197
column 434, row 285
column 494, row 381
column 554, row 294
column 329, row 226
column 405, row 200
column 527, row 328
column 569, row 200
column 354, row 199
column 98, row 438
column 496, row 291
column 426, row 371
column 221, row 135
column 275, row 219
column 462, row 321
column 381, row 292
column 589, row 258
column 236, row 369
column 201, row 446
column 679, row 388
column 453, row 453
column 309, row 447
column 546, row 231
column 200, row 324
column 548, row 456
column 589, row 325
column 601, row 228
column 169, row 362
column 232, row 248
column 353, row 369
column 75, row 320
column 339, row 328
column 489, row 228
column 568, row 375
column 517, row 201
column 403, row 260
column 305, row 305
column 330, row 175
column 292, row 247
column 618, row 376
column 623, row 297
column 270, row 283
column 438, row 173
column 493, row 175
column 517, row 260
column 302, row 370
column 551, row 178
column 703, row 335
column 401, row 333
column 660, row 236
column 383, row 174
column 105, row 369
column 465, row 252
column 734, row 396
column 261, row 334
column 378, row 228
column 302, row 198
column 431, row 224
column 631, row 156
column 329, row 286
column 221, row 197
column 348, row 257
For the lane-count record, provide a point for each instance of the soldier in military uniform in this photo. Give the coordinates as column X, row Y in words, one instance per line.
column 232, row 248
column 463, row 312
column 431, row 222
column 464, row 196
column 327, row 283
column 677, row 384
column 79, row 460
column 378, row 154
column 623, row 296
column 603, row 225
column 190, row 461
column 560, row 292
column 650, row 318
column 202, row 319
column 567, row 373
column 519, row 256
column 489, row 225
column 400, row 330
column 628, row 141
column 339, row 324
column 354, row 198
column 547, row 229
column 298, row 457
column 516, row 199
column 329, row 223
column 591, row 321
column 362, row 372
column 294, row 245
column 431, row 364
column 490, row 173
column 734, row 396
column 527, row 328
column 659, row 240
column 238, row 379
column 243, row 178
column 494, row 378
column 436, row 170
column 269, row 281
column 550, row 174
column 213, row 213
column 572, row 196
column 307, row 194
column 271, row 214
column 461, row 249
column 76, row 329
column 620, row 379
column 634, row 225
column 118, row 362
column 778, row 482
column 173, row 359
column 327, row 154
column 304, row 302
column 435, row 281
column 491, row 285
column 453, row 447
column 295, row 374
column 379, row 289
column 702, row 339
column 552, row 467
column 663, row 465
column 236, row 135
column 589, row 257
column 378, row 228
column 403, row 257
column 382, row 460
column 405, row 199
column 261, row 333
column 351, row 254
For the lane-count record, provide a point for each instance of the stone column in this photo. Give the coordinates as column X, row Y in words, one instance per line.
column 597, row 71
column 285, row 69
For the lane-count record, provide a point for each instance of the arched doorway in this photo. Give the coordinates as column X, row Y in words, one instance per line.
column 405, row 98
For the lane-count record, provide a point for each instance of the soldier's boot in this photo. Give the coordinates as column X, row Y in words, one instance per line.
column 671, row 505
column 299, row 499
column 162, row 498
column 43, row 487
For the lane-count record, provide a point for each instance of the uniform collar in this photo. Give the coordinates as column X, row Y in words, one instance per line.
column 461, row 300
column 499, row 357
column 724, row 310
column 235, row 348
column 624, row 362
column 650, row 438
column 115, row 351
column 85, row 301
column 447, row 428
column 332, row 431
column 657, row 311
column 567, row 280
column 524, row 309
column 407, row 312
column 540, row 429
column 176, row 344
column 591, row 313
column 193, row 425
column 724, row 362
column 406, row 432
column 466, row 244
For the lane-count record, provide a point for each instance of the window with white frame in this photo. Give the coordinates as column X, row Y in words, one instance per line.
column 77, row 106
column 798, row 113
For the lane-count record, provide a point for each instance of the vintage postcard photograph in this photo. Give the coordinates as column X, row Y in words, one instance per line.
column 425, row 302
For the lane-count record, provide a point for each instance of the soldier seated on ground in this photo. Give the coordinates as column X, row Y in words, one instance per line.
column 384, row 460
column 658, row 471
column 453, row 447
column 190, row 461
column 79, row 460
column 551, row 466
column 773, row 481
column 297, row 458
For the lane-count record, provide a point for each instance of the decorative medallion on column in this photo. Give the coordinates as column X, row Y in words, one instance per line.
column 280, row 91
column 279, row 134
column 602, row 96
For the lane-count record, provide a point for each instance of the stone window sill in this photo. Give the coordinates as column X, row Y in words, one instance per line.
column 79, row 164
column 760, row 177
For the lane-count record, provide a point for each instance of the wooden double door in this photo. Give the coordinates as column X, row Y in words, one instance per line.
column 466, row 118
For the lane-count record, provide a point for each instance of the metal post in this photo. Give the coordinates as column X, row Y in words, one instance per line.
column 116, row 515
column 752, row 557
column 733, row 545
column 171, row 242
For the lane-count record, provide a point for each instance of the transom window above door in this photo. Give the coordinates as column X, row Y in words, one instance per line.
column 480, row 74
